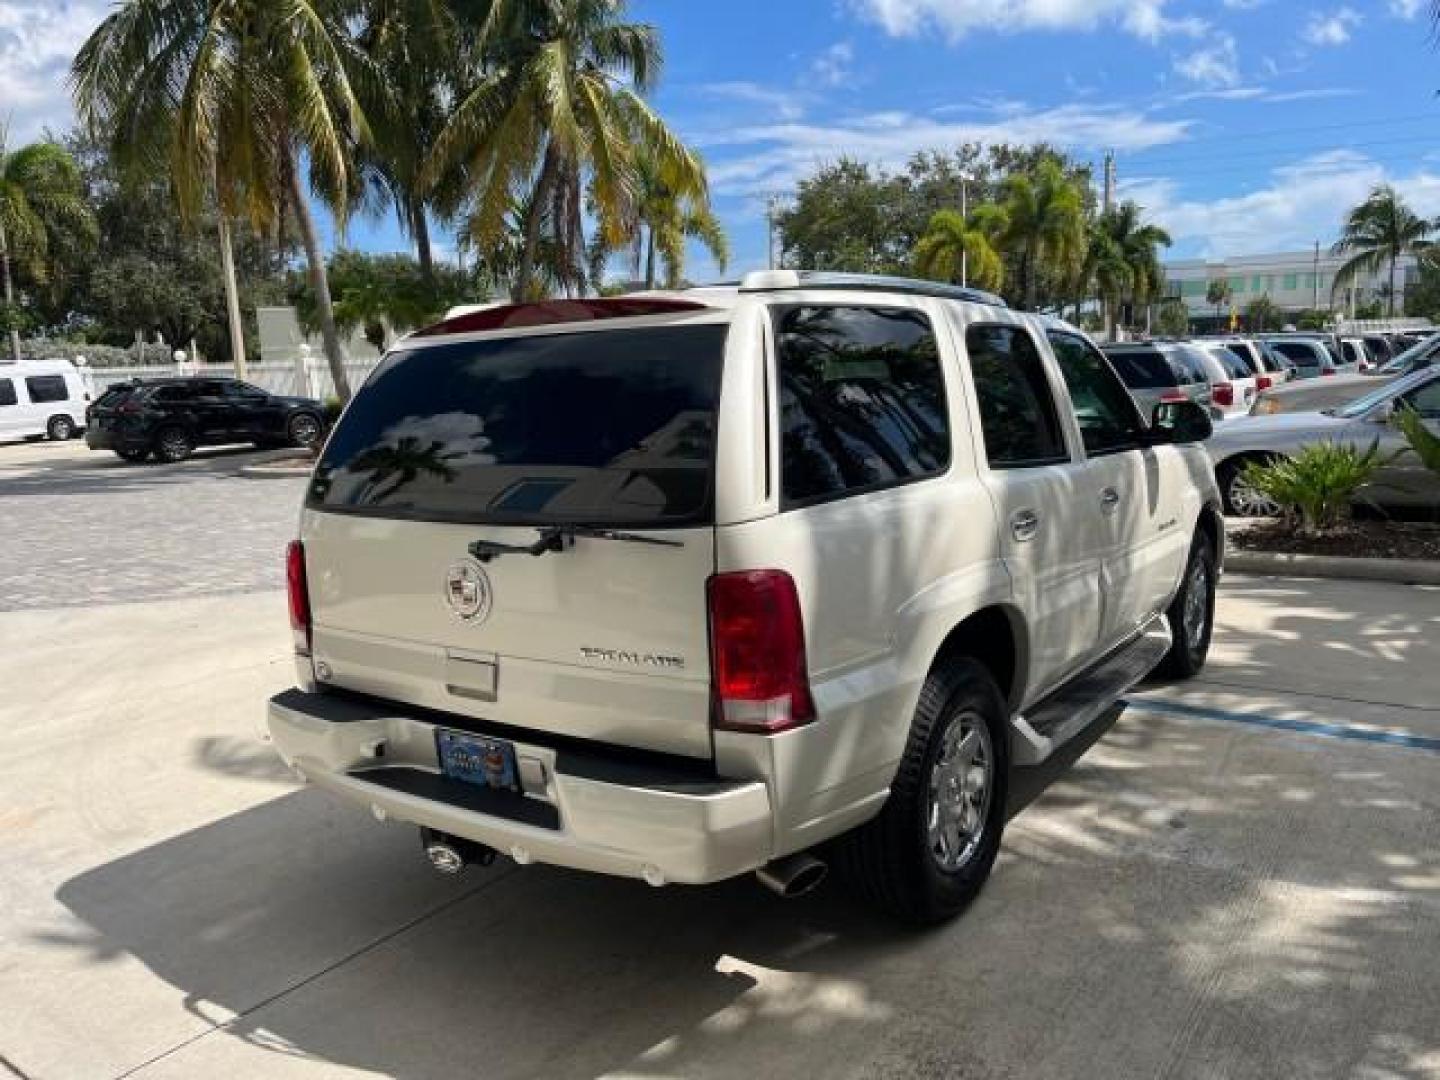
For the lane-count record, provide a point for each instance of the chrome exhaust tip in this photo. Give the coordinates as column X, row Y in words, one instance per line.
column 450, row 855
column 792, row 876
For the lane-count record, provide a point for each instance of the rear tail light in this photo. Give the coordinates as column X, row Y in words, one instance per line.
column 298, row 588
column 757, row 653
column 1327, row 371
column 1263, row 382
column 1223, row 394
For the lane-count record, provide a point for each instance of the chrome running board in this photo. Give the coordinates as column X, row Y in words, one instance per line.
column 1080, row 702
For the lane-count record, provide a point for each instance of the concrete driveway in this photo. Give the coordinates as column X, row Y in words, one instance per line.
column 1240, row 877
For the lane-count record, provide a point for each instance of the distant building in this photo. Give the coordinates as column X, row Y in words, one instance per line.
column 1293, row 281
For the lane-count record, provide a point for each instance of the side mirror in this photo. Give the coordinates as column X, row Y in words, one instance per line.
column 1177, row 422
column 1384, row 413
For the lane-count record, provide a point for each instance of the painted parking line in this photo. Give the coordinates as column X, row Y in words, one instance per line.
column 1304, row 727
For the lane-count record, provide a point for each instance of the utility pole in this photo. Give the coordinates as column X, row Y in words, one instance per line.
column 1109, row 202
column 1315, row 280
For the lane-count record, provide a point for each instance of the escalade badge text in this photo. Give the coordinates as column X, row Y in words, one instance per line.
column 467, row 590
column 624, row 656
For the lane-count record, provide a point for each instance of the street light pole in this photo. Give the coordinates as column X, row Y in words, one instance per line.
column 964, row 220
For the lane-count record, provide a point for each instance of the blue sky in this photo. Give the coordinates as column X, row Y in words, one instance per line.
column 1241, row 125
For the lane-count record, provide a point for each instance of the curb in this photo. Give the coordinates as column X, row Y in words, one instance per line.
column 1397, row 571
column 278, row 464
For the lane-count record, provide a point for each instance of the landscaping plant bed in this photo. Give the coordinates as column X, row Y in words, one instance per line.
column 1356, row 540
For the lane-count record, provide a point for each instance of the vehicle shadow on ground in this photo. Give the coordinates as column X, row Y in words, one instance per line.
column 1126, row 929
column 104, row 473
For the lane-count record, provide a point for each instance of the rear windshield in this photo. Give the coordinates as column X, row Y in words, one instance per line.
column 1143, row 369
column 613, row 427
column 1299, row 352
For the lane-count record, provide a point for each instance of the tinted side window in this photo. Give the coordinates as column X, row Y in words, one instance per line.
column 1017, row 409
column 1301, row 354
column 174, row 394
column 1230, row 360
column 43, row 388
column 1247, row 354
column 1108, row 418
column 1143, row 369
column 862, row 400
column 243, row 392
column 7, row 392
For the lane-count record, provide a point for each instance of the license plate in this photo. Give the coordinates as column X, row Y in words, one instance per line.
column 477, row 760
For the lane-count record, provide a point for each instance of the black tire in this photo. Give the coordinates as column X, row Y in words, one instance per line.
column 1229, row 477
column 889, row 860
column 305, row 429
column 135, row 457
column 173, row 444
column 1191, row 646
column 60, row 428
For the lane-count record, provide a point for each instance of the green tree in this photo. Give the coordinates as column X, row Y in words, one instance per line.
column 1260, row 315
column 1172, row 320
column 42, row 206
column 244, row 98
column 1218, row 294
column 384, row 294
column 1045, row 214
column 561, row 105
column 1122, row 261
column 1376, row 235
column 953, row 241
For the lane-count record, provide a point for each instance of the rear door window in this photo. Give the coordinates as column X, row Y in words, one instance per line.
column 46, row 388
column 609, row 427
column 175, row 394
column 7, row 393
column 1017, row 407
column 862, row 400
column 1142, row 369
column 1235, row 367
column 1247, row 354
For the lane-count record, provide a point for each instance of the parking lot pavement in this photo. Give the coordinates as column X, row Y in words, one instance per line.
column 1199, row 895
column 83, row 527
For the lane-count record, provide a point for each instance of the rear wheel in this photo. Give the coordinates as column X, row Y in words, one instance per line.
column 1192, row 614
column 304, row 429
column 60, row 428
column 173, row 444
column 927, row 854
column 1242, row 498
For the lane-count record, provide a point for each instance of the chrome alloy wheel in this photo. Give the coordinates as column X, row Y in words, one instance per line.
column 305, row 430
column 961, row 780
column 1249, row 501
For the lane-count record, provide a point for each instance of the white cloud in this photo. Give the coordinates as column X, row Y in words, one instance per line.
column 832, row 67
column 38, row 39
column 1217, row 64
column 786, row 104
column 956, row 18
column 1297, row 205
column 773, row 156
column 1333, row 28
column 1406, row 9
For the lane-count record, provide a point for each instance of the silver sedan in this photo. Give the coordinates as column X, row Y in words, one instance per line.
column 1403, row 484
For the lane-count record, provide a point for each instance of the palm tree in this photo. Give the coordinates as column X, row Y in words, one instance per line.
column 42, row 199
column 1045, row 211
column 235, row 97
column 661, row 221
column 1218, row 293
column 1377, row 233
column 562, row 101
column 953, row 240
column 1122, row 259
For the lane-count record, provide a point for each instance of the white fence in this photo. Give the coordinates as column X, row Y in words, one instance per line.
column 302, row 378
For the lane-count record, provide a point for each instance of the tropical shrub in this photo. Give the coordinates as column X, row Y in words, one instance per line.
column 1422, row 440
column 1318, row 485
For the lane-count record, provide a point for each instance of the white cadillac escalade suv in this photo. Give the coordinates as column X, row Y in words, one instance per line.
column 741, row 579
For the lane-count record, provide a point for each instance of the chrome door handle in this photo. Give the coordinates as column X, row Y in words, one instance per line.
column 1024, row 524
column 1109, row 501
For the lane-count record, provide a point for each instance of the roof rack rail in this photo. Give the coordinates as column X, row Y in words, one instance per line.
column 768, row 280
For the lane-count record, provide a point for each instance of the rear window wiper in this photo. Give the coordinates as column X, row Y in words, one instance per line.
column 561, row 538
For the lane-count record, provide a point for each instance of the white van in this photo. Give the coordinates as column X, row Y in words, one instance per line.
column 42, row 398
